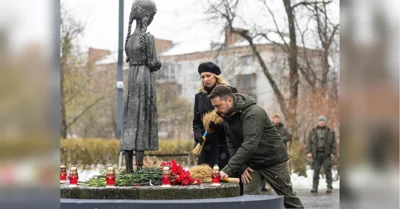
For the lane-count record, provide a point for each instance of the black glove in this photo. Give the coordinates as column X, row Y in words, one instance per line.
column 216, row 127
column 198, row 138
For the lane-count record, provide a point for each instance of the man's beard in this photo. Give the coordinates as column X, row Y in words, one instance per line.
column 228, row 112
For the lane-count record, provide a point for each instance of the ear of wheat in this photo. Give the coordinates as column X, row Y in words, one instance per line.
column 211, row 116
column 207, row 118
column 203, row 173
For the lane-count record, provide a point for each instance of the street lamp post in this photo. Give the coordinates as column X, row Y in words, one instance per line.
column 120, row 82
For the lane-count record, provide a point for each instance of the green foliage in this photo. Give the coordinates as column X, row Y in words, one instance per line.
column 143, row 177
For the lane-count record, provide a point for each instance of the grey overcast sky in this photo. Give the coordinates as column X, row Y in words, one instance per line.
column 177, row 20
column 182, row 21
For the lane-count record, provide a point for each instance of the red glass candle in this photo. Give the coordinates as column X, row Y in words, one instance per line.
column 63, row 173
column 165, row 181
column 73, row 179
column 73, row 176
column 110, row 177
column 215, row 177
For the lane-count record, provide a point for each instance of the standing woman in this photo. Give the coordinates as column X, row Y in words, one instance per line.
column 140, row 125
column 215, row 150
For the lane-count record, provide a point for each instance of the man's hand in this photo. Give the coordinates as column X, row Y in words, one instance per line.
column 246, row 176
column 332, row 156
column 309, row 156
column 223, row 175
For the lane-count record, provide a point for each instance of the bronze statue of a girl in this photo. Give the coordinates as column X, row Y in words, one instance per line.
column 140, row 125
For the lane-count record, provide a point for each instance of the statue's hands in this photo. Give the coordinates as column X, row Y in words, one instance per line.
column 154, row 65
column 158, row 64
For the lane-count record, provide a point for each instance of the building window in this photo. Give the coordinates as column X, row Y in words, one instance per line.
column 167, row 73
column 246, row 81
column 246, row 60
column 172, row 74
column 246, row 84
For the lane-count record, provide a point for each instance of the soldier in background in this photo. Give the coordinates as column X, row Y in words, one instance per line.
column 285, row 135
column 286, row 138
column 321, row 148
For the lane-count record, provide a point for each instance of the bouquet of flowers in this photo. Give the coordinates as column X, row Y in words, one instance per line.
column 179, row 175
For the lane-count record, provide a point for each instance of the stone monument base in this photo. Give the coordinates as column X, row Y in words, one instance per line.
column 241, row 202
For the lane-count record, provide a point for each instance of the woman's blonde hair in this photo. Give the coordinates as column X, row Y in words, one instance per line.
column 219, row 81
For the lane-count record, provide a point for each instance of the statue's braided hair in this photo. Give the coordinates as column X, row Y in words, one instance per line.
column 143, row 32
column 143, row 39
column 129, row 32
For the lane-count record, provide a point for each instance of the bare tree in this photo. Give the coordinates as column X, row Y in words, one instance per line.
column 326, row 31
column 175, row 109
column 322, row 77
column 226, row 10
column 77, row 97
column 96, row 108
column 300, row 59
column 70, row 31
column 311, row 74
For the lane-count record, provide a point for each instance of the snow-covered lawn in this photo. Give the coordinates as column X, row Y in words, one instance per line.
column 302, row 182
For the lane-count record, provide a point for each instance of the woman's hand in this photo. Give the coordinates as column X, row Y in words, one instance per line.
column 216, row 127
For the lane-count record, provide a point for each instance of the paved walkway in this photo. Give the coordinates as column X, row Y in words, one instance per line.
column 320, row 200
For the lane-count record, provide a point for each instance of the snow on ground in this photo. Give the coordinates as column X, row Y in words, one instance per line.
column 87, row 174
column 299, row 182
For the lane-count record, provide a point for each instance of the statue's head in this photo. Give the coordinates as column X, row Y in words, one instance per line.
column 143, row 10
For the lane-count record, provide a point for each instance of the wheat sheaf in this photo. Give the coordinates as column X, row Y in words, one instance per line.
column 211, row 116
